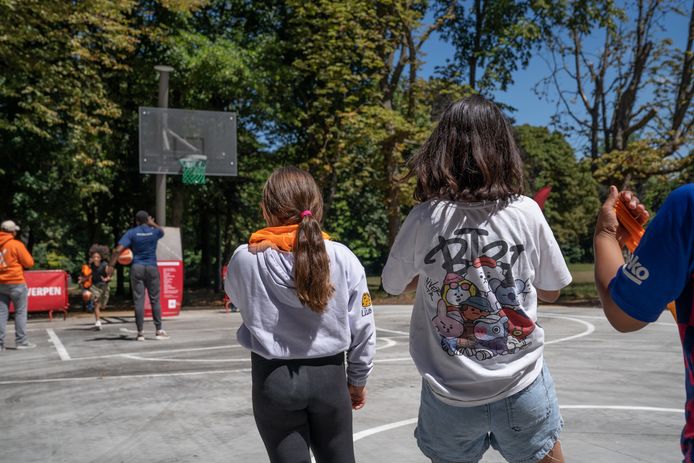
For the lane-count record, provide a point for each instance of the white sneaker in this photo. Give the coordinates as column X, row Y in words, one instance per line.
column 97, row 325
column 161, row 334
column 140, row 337
column 25, row 345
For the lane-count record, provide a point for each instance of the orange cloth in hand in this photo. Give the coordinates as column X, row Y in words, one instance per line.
column 282, row 237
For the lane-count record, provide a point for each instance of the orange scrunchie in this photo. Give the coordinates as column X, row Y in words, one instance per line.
column 282, row 237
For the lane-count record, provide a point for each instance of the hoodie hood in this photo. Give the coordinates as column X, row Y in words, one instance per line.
column 277, row 274
column 5, row 237
column 277, row 326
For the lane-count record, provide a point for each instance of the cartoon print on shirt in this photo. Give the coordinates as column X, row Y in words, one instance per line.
column 509, row 296
column 491, row 333
column 455, row 290
column 432, row 288
column 448, row 327
column 479, row 314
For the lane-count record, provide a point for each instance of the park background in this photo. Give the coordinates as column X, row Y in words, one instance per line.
column 599, row 92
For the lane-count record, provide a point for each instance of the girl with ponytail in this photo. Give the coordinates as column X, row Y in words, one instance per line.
column 306, row 308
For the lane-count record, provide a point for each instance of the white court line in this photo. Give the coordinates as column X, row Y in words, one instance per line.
column 171, row 351
column 156, row 359
column 392, row 331
column 589, row 329
column 598, row 317
column 139, row 355
column 389, row 343
column 92, row 378
column 185, row 330
column 386, row 427
column 62, row 352
column 622, row 407
column 398, row 424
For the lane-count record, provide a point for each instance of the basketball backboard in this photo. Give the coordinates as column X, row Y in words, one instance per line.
column 168, row 135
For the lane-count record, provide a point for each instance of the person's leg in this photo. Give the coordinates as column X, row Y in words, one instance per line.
column 279, row 409
column 4, row 313
column 153, row 288
column 526, row 425
column 19, row 295
column 138, row 287
column 89, row 298
column 330, row 413
column 450, row 434
column 96, row 297
column 555, row 455
column 101, row 301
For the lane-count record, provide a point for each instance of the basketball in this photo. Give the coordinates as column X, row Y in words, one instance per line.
column 125, row 257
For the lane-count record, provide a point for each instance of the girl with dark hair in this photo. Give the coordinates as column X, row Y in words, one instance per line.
column 304, row 302
column 480, row 255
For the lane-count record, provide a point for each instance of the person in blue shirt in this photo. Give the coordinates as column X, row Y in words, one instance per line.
column 144, row 274
column 660, row 270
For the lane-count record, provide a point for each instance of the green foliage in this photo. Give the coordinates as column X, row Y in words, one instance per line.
column 330, row 85
column 493, row 39
column 571, row 207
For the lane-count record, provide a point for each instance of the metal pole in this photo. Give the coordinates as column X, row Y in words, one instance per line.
column 160, row 180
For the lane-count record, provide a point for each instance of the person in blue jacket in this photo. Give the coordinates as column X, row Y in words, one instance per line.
column 661, row 269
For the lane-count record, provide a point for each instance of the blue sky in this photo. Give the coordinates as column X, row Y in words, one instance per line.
column 530, row 108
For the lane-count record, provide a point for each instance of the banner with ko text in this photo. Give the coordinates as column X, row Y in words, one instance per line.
column 47, row 290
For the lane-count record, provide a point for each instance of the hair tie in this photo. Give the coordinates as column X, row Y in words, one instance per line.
column 305, row 213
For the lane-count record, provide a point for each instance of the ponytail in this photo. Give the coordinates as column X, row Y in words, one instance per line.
column 311, row 265
column 286, row 193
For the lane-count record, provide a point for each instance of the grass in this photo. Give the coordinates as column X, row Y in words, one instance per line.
column 582, row 273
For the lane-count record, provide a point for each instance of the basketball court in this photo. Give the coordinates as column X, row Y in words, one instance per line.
column 84, row 395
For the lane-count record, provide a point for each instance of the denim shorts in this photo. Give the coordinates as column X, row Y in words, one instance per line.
column 523, row 427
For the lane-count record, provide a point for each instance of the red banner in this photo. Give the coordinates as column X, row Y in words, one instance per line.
column 47, row 291
column 171, row 288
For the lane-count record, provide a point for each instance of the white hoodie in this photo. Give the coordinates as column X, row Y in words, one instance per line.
column 276, row 325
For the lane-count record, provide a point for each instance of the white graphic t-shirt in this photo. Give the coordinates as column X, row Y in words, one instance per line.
column 473, row 334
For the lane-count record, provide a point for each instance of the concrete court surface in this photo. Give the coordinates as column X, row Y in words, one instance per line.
column 87, row 396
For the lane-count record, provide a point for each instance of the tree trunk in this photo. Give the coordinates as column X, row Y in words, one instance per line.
column 177, row 205
column 472, row 62
column 393, row 190
column 205, row 257
column 218, row 257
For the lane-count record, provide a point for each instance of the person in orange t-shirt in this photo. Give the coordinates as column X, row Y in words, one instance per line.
column 14, row 258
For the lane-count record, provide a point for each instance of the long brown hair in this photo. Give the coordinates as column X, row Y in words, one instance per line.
column 471, row 155
column 287, row 193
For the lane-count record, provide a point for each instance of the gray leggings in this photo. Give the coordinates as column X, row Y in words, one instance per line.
column 305, row 403
column 141, row 277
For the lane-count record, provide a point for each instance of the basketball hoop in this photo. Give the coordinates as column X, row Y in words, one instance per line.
column 193, row 167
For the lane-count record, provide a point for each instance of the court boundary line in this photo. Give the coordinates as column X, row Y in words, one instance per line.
column 106, row 377
column 62, row 351
column 398, row 424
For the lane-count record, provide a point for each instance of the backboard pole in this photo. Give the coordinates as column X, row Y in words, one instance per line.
column 160, row 180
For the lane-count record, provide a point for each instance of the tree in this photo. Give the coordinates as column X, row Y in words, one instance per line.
column 55, row 112
column 570, row 209
column 634, row 90
column 492, row 39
